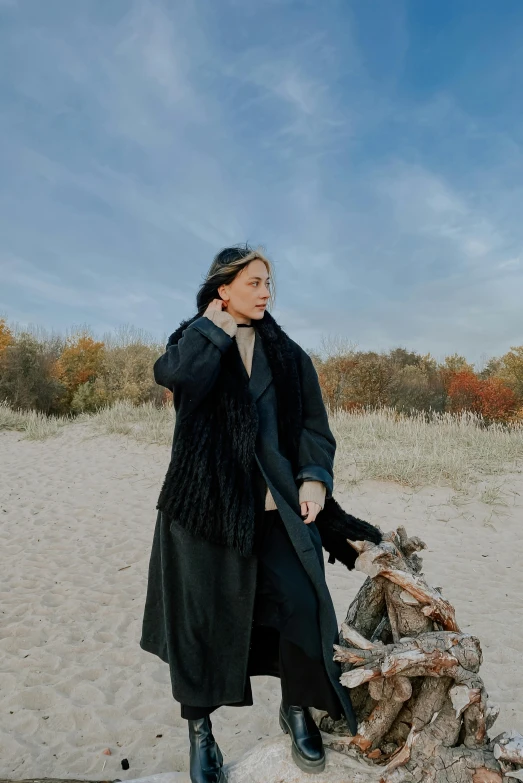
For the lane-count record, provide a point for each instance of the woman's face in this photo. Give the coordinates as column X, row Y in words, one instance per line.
column 246, row 297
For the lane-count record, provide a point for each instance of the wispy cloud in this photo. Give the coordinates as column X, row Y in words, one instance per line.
column 424, row 205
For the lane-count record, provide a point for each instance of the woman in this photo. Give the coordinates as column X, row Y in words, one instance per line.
column 236, row 582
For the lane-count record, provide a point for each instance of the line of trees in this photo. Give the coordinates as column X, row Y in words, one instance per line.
column 77, row 373
column 408, row 381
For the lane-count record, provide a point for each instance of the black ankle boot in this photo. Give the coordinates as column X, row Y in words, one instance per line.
column 206, row 757
column 307, row 744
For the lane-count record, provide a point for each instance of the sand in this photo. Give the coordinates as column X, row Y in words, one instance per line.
column 77, row 514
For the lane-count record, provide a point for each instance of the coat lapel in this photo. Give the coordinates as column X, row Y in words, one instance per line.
column 261, row 374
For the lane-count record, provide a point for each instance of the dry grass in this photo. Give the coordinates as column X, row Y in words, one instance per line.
column 34, row 425
column 146, row 423
column 447, row 450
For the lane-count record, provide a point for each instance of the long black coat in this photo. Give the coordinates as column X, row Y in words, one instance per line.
column 200, row 596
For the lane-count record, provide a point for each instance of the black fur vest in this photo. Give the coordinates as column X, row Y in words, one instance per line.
column 208, row 486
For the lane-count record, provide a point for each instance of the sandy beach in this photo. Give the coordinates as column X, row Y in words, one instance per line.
column 77, row 516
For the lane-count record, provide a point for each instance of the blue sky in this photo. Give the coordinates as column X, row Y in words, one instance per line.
column 374, row 148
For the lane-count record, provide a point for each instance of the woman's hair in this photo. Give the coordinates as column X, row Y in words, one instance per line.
column 224, row 268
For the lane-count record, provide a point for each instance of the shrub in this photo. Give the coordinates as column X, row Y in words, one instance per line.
column 490, row 398
column 464, row 392
column 88, row 397
column 413, row 388
column 498, row 401
column 79, row 362
column 403, row 358
column 26, row 376
column 6, row 336
column 511, row 370
column 370, row 379
column 334, row 376
column 403, row 379
column 127, row 374
column 491, row 369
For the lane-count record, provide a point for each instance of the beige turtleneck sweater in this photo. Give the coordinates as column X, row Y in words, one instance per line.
column 309, row 490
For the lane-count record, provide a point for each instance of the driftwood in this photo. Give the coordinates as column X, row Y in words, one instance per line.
column 422, row 708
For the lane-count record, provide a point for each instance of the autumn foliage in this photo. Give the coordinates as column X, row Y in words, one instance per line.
column 81, row 374
column 463, row 392
column 79, row 362
column 490, row 397
column 412, row 382
column 6, row 338
column 58, row 375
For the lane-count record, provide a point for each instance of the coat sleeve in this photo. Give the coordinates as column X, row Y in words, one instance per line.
column 191, row 367
column 317, row 443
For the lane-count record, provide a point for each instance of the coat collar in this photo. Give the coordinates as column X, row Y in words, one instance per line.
column 261, row 374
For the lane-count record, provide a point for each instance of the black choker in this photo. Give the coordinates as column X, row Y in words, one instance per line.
column 243, row 324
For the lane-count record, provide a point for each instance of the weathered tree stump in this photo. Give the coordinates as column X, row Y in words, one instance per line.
column 422, row 708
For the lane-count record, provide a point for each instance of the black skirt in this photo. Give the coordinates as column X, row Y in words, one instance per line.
column 286, row 638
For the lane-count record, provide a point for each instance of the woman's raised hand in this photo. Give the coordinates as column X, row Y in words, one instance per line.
column 215, row 304
column 217, row 313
